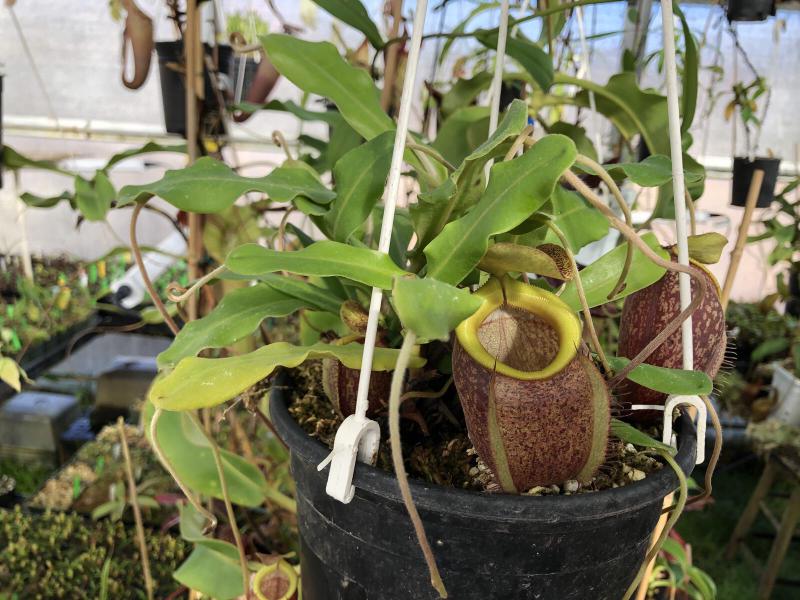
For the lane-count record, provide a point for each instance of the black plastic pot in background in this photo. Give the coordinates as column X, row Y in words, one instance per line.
column 750, row 10
column 1, row 132
column 793, row 301
column 743, row 169
column 173, row 89
column 487, row 546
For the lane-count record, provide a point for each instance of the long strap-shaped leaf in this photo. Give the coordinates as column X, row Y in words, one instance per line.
column 324, row 259
column 517, row 188
column 205, row 382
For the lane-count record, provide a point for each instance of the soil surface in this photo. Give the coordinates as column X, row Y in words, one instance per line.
column 436, row 447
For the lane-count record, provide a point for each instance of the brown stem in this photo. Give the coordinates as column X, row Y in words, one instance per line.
column 237, row 536
column 692, row 216
column 519, row 142
column 587, row 312
column 267, row 423
column 137, row 254
column 392, row 52
column 137, row 511
column 634, row 238
column 623, row 206
column 397, row 460
column 421, row 148
column 712, row 462
column 280, row 142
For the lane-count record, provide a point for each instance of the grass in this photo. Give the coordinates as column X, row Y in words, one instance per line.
column 708, row 532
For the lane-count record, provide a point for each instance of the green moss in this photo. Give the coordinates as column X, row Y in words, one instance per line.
column 57, row 555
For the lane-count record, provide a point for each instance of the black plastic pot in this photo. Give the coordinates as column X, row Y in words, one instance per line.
column 743, row 169
column 173, row 89
column 487, row 546
column 793, row 301
column 1, row 132
column 750, row 10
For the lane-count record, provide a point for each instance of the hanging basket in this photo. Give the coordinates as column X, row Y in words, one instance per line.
column 173, row 87
column 743, row 169
column 750, row 10
column 487, row 546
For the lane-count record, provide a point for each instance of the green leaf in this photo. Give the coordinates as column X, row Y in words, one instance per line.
column 689, row 73
column 504, row 257
column 354, row 14
column 668, row 381
column 464, row 186
column 189, row 453
column 94, row 198
column 580, row 223
column 402, row 232
column 10, row 373
column 464, row 91
column 324, row 259
column 238, row 315
column 15, row 161
column 431, row 309
column 205, row 382
column 148, row 148
column 769, row 348
column 209, row 186
column 653, row 171
column 317, row 68
column 578, row 135
column 707, row 248
column 342, row 139
column 360, row 177
column 312, row 295
column 331, row 117
column 517, row 188
column 600, row 277
column 462, row 132
column 695, row 184
column 213, row 566
column 630, row 435
column 43, row 202
column 631, row 109
column 533, row 59
column 314, row 324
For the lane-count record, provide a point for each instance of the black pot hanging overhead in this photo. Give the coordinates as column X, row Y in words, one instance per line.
column 743, row 169
column 173, row 88
column 750, row 10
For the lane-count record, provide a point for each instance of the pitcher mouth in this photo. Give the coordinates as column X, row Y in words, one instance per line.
column 546, row 332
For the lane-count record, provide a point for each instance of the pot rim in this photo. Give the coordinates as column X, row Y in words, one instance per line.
column 482, row 505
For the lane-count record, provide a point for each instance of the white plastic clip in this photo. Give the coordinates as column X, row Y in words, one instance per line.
column 357, row 438
column 668, row 437
column 702, row 416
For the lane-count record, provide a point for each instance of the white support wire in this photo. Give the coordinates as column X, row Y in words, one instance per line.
column 497, row 78
column 586, row 67
column 390, row 199
column 358, row 435
column 678, row 184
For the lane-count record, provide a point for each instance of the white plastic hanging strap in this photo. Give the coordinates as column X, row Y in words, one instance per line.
column 678, row 184
column 667, row 436
column 359, row 436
